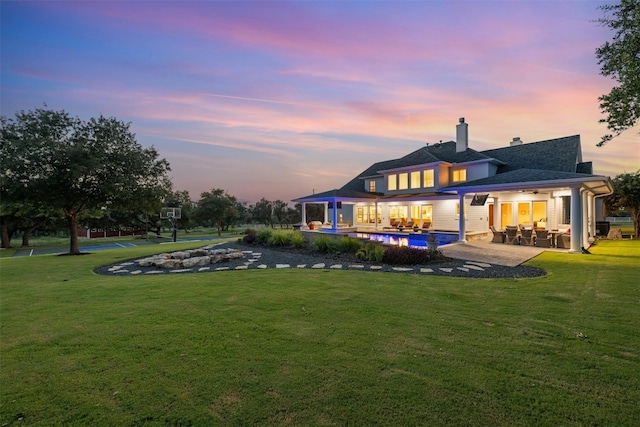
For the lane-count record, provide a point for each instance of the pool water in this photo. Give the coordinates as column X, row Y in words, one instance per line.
column 418, row 240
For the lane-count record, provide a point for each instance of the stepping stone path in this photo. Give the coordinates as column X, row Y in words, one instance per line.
column 204, row 259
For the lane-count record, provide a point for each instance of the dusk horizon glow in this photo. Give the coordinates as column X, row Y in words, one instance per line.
column 281, row 99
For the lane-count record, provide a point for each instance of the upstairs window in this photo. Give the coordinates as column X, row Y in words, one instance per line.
column 415, row 179
column 391, row 182
column 403, row 181
column 372, row 186
column 428, row 178
column 459, row 175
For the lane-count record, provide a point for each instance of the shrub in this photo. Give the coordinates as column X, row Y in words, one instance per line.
column 326, row 245
column 279, row 238
column 297, row 239
column 405, row 255
column 350, row 244
column 249, row 238
column 377, row 254
column 372, row 252
column 250, row 231
column 262, row 238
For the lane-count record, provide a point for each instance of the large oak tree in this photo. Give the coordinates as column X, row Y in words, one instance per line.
column 52, row 159
column 620, row 60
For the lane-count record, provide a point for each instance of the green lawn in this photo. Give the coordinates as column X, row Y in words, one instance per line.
column 306, row 347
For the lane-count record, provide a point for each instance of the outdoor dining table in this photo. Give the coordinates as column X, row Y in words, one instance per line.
column 554, row 235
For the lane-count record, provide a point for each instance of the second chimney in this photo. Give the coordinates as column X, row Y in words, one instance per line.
column 516, row 141
column 462, row 135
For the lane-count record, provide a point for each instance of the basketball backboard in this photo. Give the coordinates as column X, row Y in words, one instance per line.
column 167, row 213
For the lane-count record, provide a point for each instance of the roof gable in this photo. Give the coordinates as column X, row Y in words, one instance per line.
column 560, row 154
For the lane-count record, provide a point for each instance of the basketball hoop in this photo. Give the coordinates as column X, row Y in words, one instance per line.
column 172, row 214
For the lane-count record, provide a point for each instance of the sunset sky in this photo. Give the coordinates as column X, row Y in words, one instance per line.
column 280, row 99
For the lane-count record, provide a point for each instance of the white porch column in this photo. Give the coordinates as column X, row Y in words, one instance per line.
column 461, row 221
column 497, row 220
column 326, row 213
column 304, row 214
column 585, row 219
column 592, row 215
column 376, row 220
column 576, row 220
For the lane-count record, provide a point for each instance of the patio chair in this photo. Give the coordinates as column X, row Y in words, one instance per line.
column 499, row 236
column 526, row 237
column 512, row 237
column 542, row 239
column 426, row 225
column 563, row 241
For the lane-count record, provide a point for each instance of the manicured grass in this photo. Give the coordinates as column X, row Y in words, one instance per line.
column 305, row 347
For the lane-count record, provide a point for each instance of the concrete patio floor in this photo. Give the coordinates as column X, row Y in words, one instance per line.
column 493, row 253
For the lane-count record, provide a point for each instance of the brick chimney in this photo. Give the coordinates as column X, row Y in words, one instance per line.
column 516, row 141
column 462, row 135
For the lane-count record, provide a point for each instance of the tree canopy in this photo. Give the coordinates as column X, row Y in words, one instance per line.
column 620, row 60
column 78, row 167
column 626, row 196
column 217, row 208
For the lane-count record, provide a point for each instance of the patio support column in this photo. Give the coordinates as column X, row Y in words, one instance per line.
column 461, row 221
column 335, row 215
column 585, row 218
column 304, row 214
column 497, row 220
column 576, row 220
column 326, row 213
column 376, row 219
column 592, row 215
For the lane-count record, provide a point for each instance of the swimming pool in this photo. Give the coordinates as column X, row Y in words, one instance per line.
column 418, row 240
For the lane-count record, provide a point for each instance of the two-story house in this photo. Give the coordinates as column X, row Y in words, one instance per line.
column 452, row 187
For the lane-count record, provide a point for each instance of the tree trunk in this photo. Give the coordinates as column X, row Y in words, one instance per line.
column 6, row 239
column 635, row 214
column 74, row 247
column 26, row 234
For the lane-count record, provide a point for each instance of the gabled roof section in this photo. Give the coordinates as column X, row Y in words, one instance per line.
column 560, row 154
column 338, row 194
column 441, row 152
column 446, row 152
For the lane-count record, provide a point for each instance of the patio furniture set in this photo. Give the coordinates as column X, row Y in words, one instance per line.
column 531, row 236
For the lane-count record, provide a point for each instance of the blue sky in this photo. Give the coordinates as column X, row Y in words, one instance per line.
column 278, row 99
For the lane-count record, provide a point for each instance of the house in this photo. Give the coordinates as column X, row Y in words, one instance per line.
column 452, row 187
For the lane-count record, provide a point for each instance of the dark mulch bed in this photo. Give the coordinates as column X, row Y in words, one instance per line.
column 271, row 256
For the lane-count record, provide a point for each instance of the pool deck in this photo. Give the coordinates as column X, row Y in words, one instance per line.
column 493, row 253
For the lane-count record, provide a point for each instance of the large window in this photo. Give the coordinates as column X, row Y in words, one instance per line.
column 565, row 212
column 398, row 214
column 428, row 178
column 367, row 214
column 403, row 181
column 459, row 175
column 415, row 179
column 506, row 214
column 426, row 214
column 391, row 182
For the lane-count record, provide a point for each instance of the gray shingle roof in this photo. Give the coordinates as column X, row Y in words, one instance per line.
column 561, row 154
column 550, row 160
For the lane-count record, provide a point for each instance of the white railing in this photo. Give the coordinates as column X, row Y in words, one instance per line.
column 618, row 219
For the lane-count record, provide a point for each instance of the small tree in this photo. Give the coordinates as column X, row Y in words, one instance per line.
column 217, row 208
column 620, row 60
column 262, row 212
column 626, row 195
